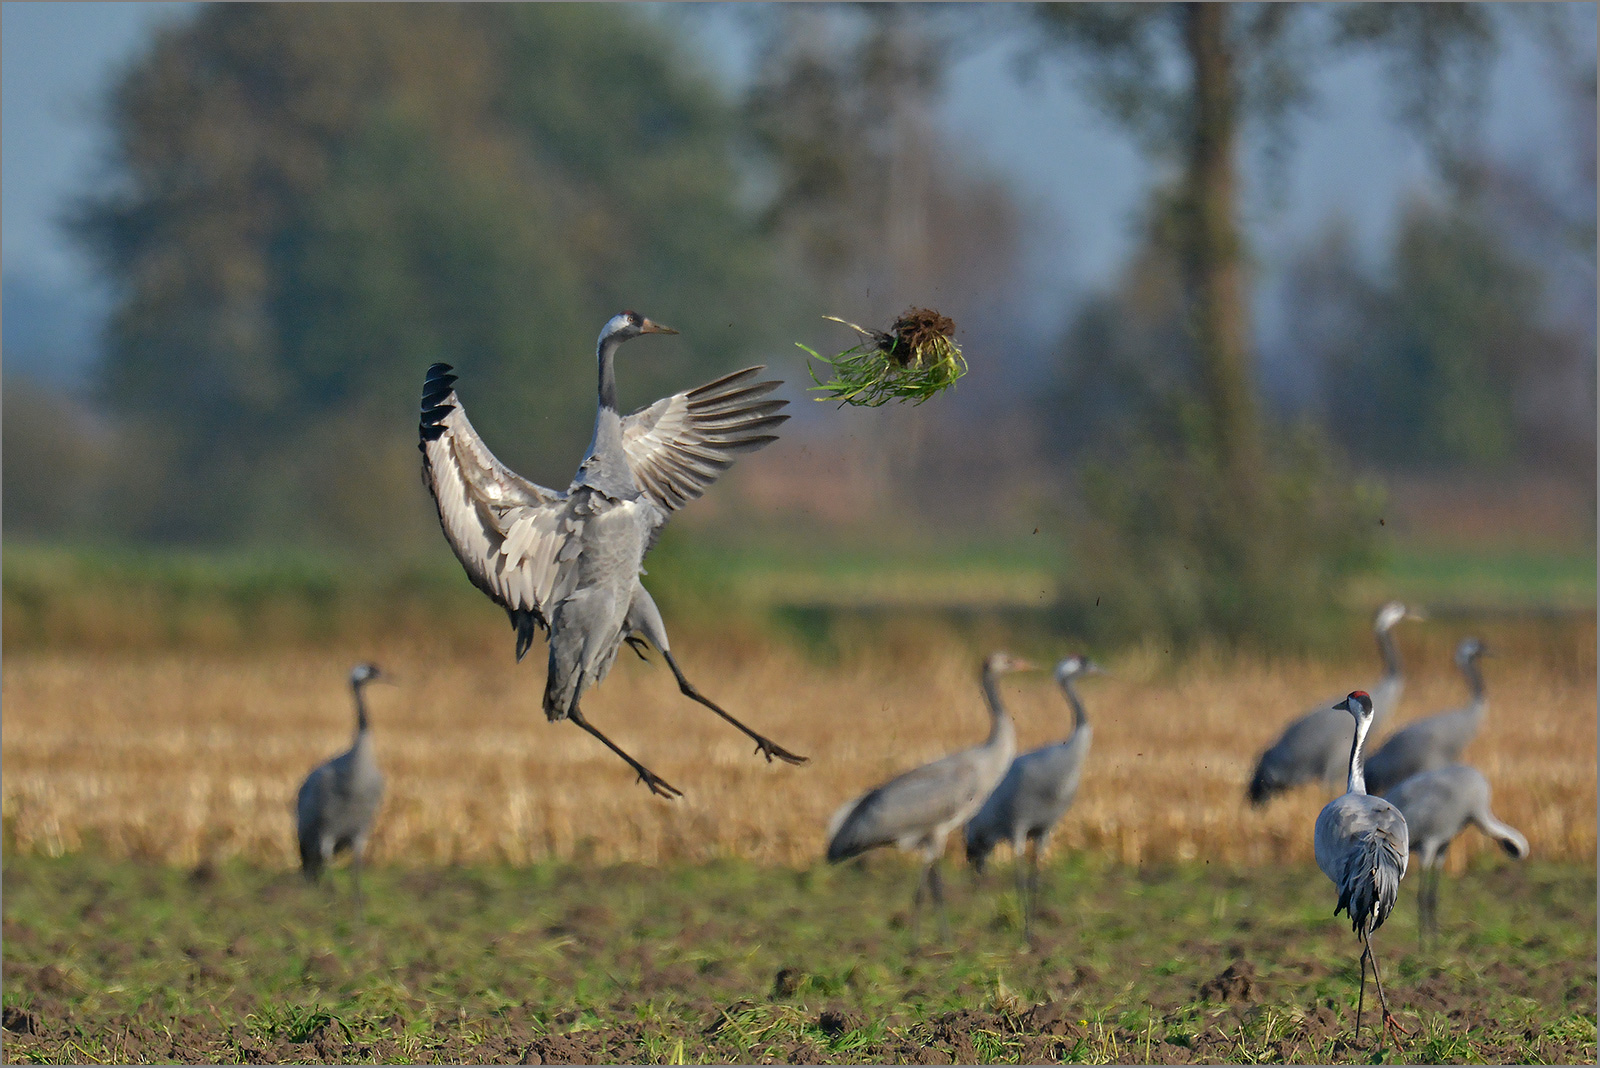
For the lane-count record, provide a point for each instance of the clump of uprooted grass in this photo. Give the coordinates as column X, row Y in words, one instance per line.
column 184, row 757
column 912, row 361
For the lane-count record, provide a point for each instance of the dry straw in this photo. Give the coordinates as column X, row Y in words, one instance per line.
column 183, row 757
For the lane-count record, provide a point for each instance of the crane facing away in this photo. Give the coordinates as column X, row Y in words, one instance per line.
column 917, row 810
column 1031, row 798
column 1435, row 741
column 336, row 805
column 1360, row 842
column 1438, row 806
column 569, row 563
column 1315, row 746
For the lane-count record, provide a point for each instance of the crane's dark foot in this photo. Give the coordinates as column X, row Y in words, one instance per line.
column 1391, row 1022
column 770, row 749
column 657, row 785
column 639, row 647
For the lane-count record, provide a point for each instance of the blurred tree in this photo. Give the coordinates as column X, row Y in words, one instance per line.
column 1203, row 489
column 308, row 204
column 56, row 456
column 1424, row 364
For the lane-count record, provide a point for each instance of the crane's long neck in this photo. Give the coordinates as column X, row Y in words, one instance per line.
column 1470, row 672
column 608, row 424
column 1002, row 734
column 1389, row 651
column 1355, row 783
column 361, row 710
column 1079, row 719
column 606, row 467
column 606, row 354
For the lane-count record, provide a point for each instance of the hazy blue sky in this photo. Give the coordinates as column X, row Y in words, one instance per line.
column 1082, row 174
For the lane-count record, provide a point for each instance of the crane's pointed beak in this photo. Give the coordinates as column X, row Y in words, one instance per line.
column 647, row 327
column 1416, row 614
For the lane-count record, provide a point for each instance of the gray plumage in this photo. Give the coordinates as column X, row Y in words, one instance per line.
column 1317, row 745
column 917, row 810
column 1434, row 741
column 1438, row 805
column 336, row 805
column 569, row 563
column 1036, row 791
column 1360, row 842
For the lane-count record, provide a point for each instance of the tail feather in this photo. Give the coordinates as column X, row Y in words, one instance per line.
column 1372, row 883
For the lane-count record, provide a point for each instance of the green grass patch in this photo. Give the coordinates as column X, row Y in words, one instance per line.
column 733, row 962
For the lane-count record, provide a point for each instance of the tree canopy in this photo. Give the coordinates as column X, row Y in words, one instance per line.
column 307, row 204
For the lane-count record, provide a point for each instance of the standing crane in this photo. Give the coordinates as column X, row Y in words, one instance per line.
column 1438, row 805
column 1315, row 746
column 1031, row 798
column 917, row 810
column 1361, row 845
column 336, row 805
column 1434, row 741
column 569, row 563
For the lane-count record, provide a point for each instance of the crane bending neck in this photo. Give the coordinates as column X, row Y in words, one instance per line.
column 1355, row 783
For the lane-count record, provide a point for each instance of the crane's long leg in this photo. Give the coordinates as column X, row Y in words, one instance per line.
column 936, row 885
column 1422, row 909
column 1434, row 903
column 1384, row 1003
column 656, row 784
column 1361, row 990
column 764, row 746
column 1426, row 889
column 1022, row 890
column 917, row 903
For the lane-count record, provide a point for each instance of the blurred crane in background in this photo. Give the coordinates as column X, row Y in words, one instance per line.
column 1438, row 805
column 1434, row 741
column 1036, row 790
column 1316, row 746
column 1361, row 845
column 569, row 563
column 918, row 810
column 336, row 805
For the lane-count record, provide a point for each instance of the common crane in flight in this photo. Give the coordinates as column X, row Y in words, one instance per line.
column 1438, row 806
column 1435, row 741
column 917, row 810
column 1315, row 747
column 1360, row 842
column 1031, row 798
column 336, row 805
column 569, row 563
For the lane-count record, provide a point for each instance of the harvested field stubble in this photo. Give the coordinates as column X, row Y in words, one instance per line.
column 184, row 758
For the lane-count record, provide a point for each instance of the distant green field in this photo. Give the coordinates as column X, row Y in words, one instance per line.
column 730, row 962
column 121, row 596
column 1489, row 579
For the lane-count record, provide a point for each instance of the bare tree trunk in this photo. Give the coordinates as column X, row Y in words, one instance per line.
column 1214, row 271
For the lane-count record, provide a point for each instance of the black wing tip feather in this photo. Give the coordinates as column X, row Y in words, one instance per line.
column 437, row 386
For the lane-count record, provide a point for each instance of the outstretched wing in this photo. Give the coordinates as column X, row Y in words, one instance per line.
column 678, row 446
column 509, row 533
